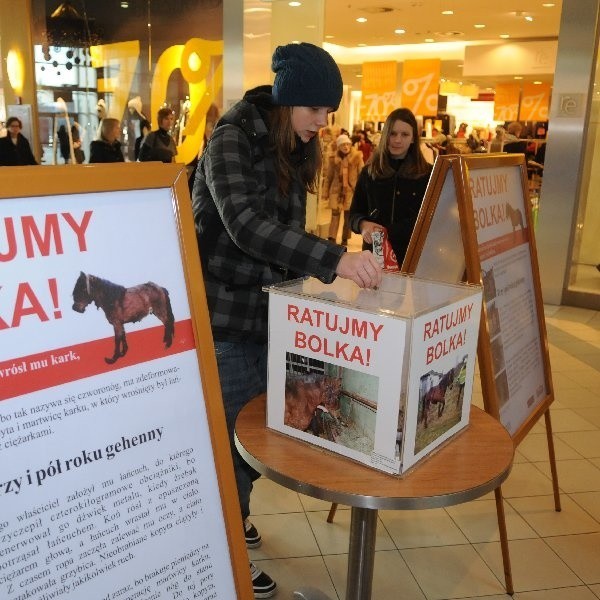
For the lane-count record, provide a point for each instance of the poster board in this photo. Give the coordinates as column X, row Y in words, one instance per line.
column 476, row 224
column 116, row 466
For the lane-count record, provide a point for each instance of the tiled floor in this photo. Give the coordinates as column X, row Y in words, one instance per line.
column 455, row 553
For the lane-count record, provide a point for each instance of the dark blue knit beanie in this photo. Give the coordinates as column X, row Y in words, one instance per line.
column 306, row 75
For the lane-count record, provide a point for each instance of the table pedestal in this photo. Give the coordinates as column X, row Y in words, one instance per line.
column 474, row 463
column 361, row 553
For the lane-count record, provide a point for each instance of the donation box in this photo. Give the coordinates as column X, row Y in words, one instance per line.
column 380, row 376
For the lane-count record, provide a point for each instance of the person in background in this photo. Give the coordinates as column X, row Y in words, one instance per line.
column 159, row 145
column 249, row 204
column 497, row 143
column 341, row 175
column 145, row 129
column 107, row 149
column 14, row 147
column 77, row 138
column 462, row 130
column 391, row 187
column 513, row 132
column 63, row 143
column 364, row 145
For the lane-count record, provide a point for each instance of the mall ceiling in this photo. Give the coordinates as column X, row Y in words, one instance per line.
column 414, row 28
column 418, row 26
column 438, row 20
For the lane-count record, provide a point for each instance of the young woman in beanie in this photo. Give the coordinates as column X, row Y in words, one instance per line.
column 249, row 201
column 390, row 188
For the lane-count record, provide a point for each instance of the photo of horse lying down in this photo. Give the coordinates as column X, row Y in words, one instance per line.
column 316, row 404
column 124, row 305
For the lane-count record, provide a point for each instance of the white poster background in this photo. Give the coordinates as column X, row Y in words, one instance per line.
column 519, row 335
column 78, row 519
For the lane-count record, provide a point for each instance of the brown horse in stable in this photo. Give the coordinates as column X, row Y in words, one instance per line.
column 124, row 305
column 304, row 393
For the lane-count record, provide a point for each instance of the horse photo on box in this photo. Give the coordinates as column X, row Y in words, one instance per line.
column 124, row 305
column 440, row 404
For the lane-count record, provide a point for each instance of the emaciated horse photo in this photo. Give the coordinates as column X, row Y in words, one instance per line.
column 124, row 305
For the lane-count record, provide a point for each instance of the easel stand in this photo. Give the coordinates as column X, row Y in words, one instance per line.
column 480, row 204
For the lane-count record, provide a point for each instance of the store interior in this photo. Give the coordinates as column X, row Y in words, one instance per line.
column 70, row 84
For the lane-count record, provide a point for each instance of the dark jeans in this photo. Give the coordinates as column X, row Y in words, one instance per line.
column 243, row 375
column 335, row 223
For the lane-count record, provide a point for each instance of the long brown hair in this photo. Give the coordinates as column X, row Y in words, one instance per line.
column 284, row 143
column 414, row 165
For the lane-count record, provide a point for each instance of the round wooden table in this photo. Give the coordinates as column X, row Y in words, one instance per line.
column 471, row 464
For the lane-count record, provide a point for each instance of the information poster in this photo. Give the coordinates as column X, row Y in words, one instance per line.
column 475, row 226
column 108, row 486
column 509, row 292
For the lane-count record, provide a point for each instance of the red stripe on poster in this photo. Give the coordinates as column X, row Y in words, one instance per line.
column 26, row 374
column 502, row 244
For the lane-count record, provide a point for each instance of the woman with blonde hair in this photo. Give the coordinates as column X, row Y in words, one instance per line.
column 107, row 149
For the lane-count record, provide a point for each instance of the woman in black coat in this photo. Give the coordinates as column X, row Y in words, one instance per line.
column 14, row 148
column 108, row 148
column 391, row 186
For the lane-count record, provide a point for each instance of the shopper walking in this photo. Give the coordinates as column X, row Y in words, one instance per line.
column 159, row 144
column 249, row 201
column 342, row 171
column 107, row 149
column 14, row 147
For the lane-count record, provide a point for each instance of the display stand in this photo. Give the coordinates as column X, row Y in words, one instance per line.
column 476, row 225
column 113, row 432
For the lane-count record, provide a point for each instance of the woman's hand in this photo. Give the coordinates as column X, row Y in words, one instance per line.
column 360, row 267
column 367, row 228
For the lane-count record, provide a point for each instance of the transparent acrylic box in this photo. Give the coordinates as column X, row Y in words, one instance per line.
column 381, row 376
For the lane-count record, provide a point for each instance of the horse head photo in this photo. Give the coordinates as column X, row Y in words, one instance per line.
column 124, row 305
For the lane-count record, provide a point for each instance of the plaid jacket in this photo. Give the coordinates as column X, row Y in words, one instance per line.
column 248, row 235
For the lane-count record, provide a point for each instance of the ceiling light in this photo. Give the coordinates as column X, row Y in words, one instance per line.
column 294, row 3
column 399, row 31
column 429, row 40
column 548, row 4
column 328, row 37
column 504, row 36
column 447, row 12
column 518, row 77
column 537, row 83
column 359, row 75
column 361, row 20
column 124, row 4
column 529, row 19
column 479, row 26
